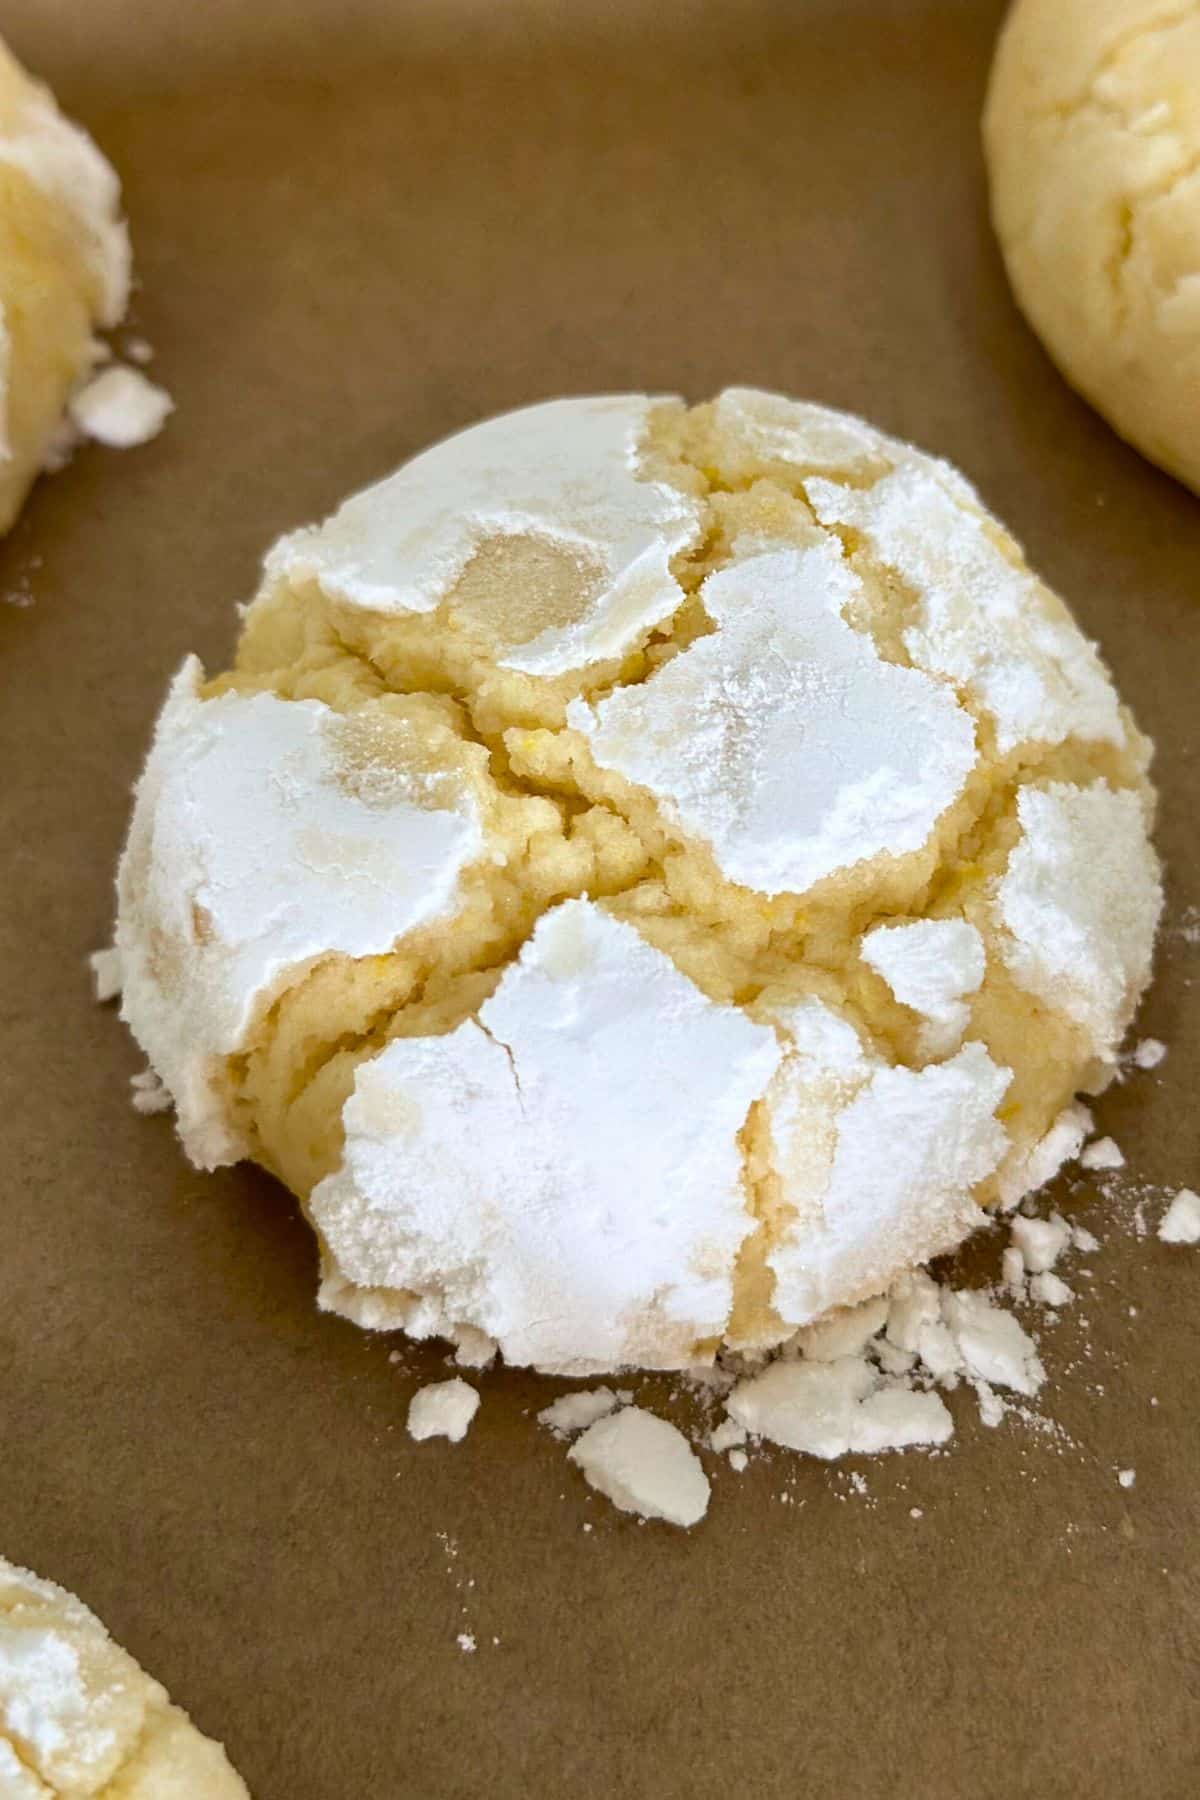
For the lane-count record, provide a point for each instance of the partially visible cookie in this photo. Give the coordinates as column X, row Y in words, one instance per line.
column 64, row 272
column 79, row 1719
column 1092, row 131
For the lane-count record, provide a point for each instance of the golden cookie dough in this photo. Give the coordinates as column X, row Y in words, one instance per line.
column 79, row 1719
column 1092, row 131
column 64, row 272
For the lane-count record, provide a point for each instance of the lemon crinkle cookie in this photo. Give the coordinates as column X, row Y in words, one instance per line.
column 1092, row 132
column 64, row 272
column 651, row 876
column 79, row 1719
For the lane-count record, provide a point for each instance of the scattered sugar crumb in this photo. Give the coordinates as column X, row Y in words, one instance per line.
column 1126, row 1477
column 738, row 1461
column 830, row 1409
column 1040, row 1241
column 587, row 1525
column 1180, row 1223
column 992, row 1344
column 644, row 1466
column 916, row 1512
column 21, row 593
column 1104, row 1153
column 466, row 1642
column 729, row 1435
column 1084, row 1241
column 573, row 1412
column 991, row 1406
column 1188, row 927
column 1050, row 1290
column 139, row 351
column 120, row 408
column 106, row 974
column 1150, row 1053
column 442, row 1409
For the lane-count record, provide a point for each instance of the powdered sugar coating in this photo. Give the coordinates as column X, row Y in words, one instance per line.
column 254, row 849
column 1042, row 1162
column 1079, row 903
column 565, row 473
column 982, row 619
column 807, row 438
column 878, row 1168
column 930, row 965
column 514, row 1175
column 784, row 683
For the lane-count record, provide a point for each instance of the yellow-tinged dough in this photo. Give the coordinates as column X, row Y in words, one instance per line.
column 80, row 1720
column 1092, row 131
column 64, row 272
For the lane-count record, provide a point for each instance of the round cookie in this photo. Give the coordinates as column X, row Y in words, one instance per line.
column 78, row 1718
column 651, row 876
column 64, row 272
column 1092, row 131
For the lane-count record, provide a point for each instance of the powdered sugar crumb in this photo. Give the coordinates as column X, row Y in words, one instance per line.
column 442, row 1409
column 1050, row 1290
column 106, row 974
column 120, row 408
column 1104, row 1153
column 574, row 1412
column 1181, row 1222
column 644, row 1466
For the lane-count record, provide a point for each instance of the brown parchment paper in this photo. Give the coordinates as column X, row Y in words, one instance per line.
column 359, row 226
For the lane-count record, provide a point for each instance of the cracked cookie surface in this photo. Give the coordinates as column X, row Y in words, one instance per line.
column 651, row 875
column 1092, row 131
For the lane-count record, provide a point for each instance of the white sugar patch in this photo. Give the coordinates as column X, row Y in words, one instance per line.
column 443, row 1409
column 1103, row 1153
column 785, row 682
column 644, row 1466
column 1180, row 1223
column 574, row 1412
column 120, row 408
